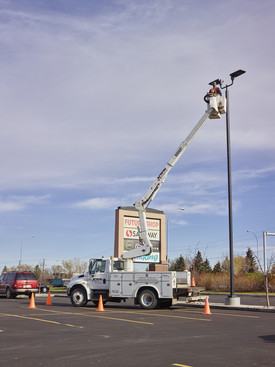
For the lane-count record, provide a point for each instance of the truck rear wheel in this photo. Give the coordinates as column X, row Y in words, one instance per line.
column 79, row 297
column 148, row 299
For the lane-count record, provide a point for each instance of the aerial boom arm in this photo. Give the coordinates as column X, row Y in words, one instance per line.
column 146, row 247
column 216, row 105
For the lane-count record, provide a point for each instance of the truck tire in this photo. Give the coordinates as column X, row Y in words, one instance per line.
column 148, row 299
column 79, row 297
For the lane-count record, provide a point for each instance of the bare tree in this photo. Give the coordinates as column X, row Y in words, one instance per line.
column 74, row 266
column 267, row 274
column 22, row 267
column 57, row 270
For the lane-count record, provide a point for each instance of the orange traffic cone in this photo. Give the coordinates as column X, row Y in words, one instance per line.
column 207, row 308
column 32, row 302
column 193, row 284
column 100, row 305
column 49, row 300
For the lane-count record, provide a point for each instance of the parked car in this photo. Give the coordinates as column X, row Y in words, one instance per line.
column 13, row 283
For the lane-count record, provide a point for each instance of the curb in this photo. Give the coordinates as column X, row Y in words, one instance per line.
column 228, row 307
column 237, row 294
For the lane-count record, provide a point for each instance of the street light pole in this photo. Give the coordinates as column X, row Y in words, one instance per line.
column 232, row 299
column 21, row 248
column 256, row 241
column 231, row 256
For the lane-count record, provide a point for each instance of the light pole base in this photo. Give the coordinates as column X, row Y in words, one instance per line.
column 232, row 301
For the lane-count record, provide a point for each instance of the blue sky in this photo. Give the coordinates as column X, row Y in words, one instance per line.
column 95, row 98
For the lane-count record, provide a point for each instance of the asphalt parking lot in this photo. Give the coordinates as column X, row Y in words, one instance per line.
column 125, row 335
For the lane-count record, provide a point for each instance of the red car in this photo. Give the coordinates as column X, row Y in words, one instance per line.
column 18, row 282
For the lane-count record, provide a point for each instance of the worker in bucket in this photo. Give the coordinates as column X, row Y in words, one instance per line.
column 215, row 90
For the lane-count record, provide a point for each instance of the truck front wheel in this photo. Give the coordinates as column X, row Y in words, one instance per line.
column 79, row 297
column 148, row 299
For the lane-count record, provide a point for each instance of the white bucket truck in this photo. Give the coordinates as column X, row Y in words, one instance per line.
column 107, row 277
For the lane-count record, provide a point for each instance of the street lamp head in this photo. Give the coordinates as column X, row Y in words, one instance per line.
column 233, row 76
column 236, row 74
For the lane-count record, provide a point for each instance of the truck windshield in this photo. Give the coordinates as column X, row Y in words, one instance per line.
column 99, row 266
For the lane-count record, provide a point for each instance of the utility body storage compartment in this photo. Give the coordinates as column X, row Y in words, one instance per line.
column 128, row 284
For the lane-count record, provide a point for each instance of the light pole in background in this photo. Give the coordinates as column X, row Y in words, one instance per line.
column 264, row 249
column 21, row 248
column 167, row 232
column 256, row 241
column 232, row 299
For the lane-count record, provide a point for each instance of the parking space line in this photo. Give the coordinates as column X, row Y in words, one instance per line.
column 98, row 316
column 118, row 319
column 161, row 315
column 41, row 320
column 181, row 365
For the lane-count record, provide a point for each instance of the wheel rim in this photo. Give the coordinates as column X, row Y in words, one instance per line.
column 8, row 293
column 147, row 299
column 78, row 297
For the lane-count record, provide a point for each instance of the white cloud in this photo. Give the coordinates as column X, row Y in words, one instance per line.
column 97, row 203
column 132, row 179
column 18, row 203
column 180, row 222
column 10, row 206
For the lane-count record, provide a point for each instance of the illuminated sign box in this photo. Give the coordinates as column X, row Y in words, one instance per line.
column 126, row 234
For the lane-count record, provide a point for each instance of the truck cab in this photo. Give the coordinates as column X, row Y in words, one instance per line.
column 95, row 281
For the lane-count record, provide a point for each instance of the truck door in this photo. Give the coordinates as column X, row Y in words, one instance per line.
column 99, row 275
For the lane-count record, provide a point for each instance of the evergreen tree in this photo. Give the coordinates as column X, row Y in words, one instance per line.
column 250, row 263
column 5, row 270
column 217, row 268
column 178, row 264
column 198, row 263
column 206, row 267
